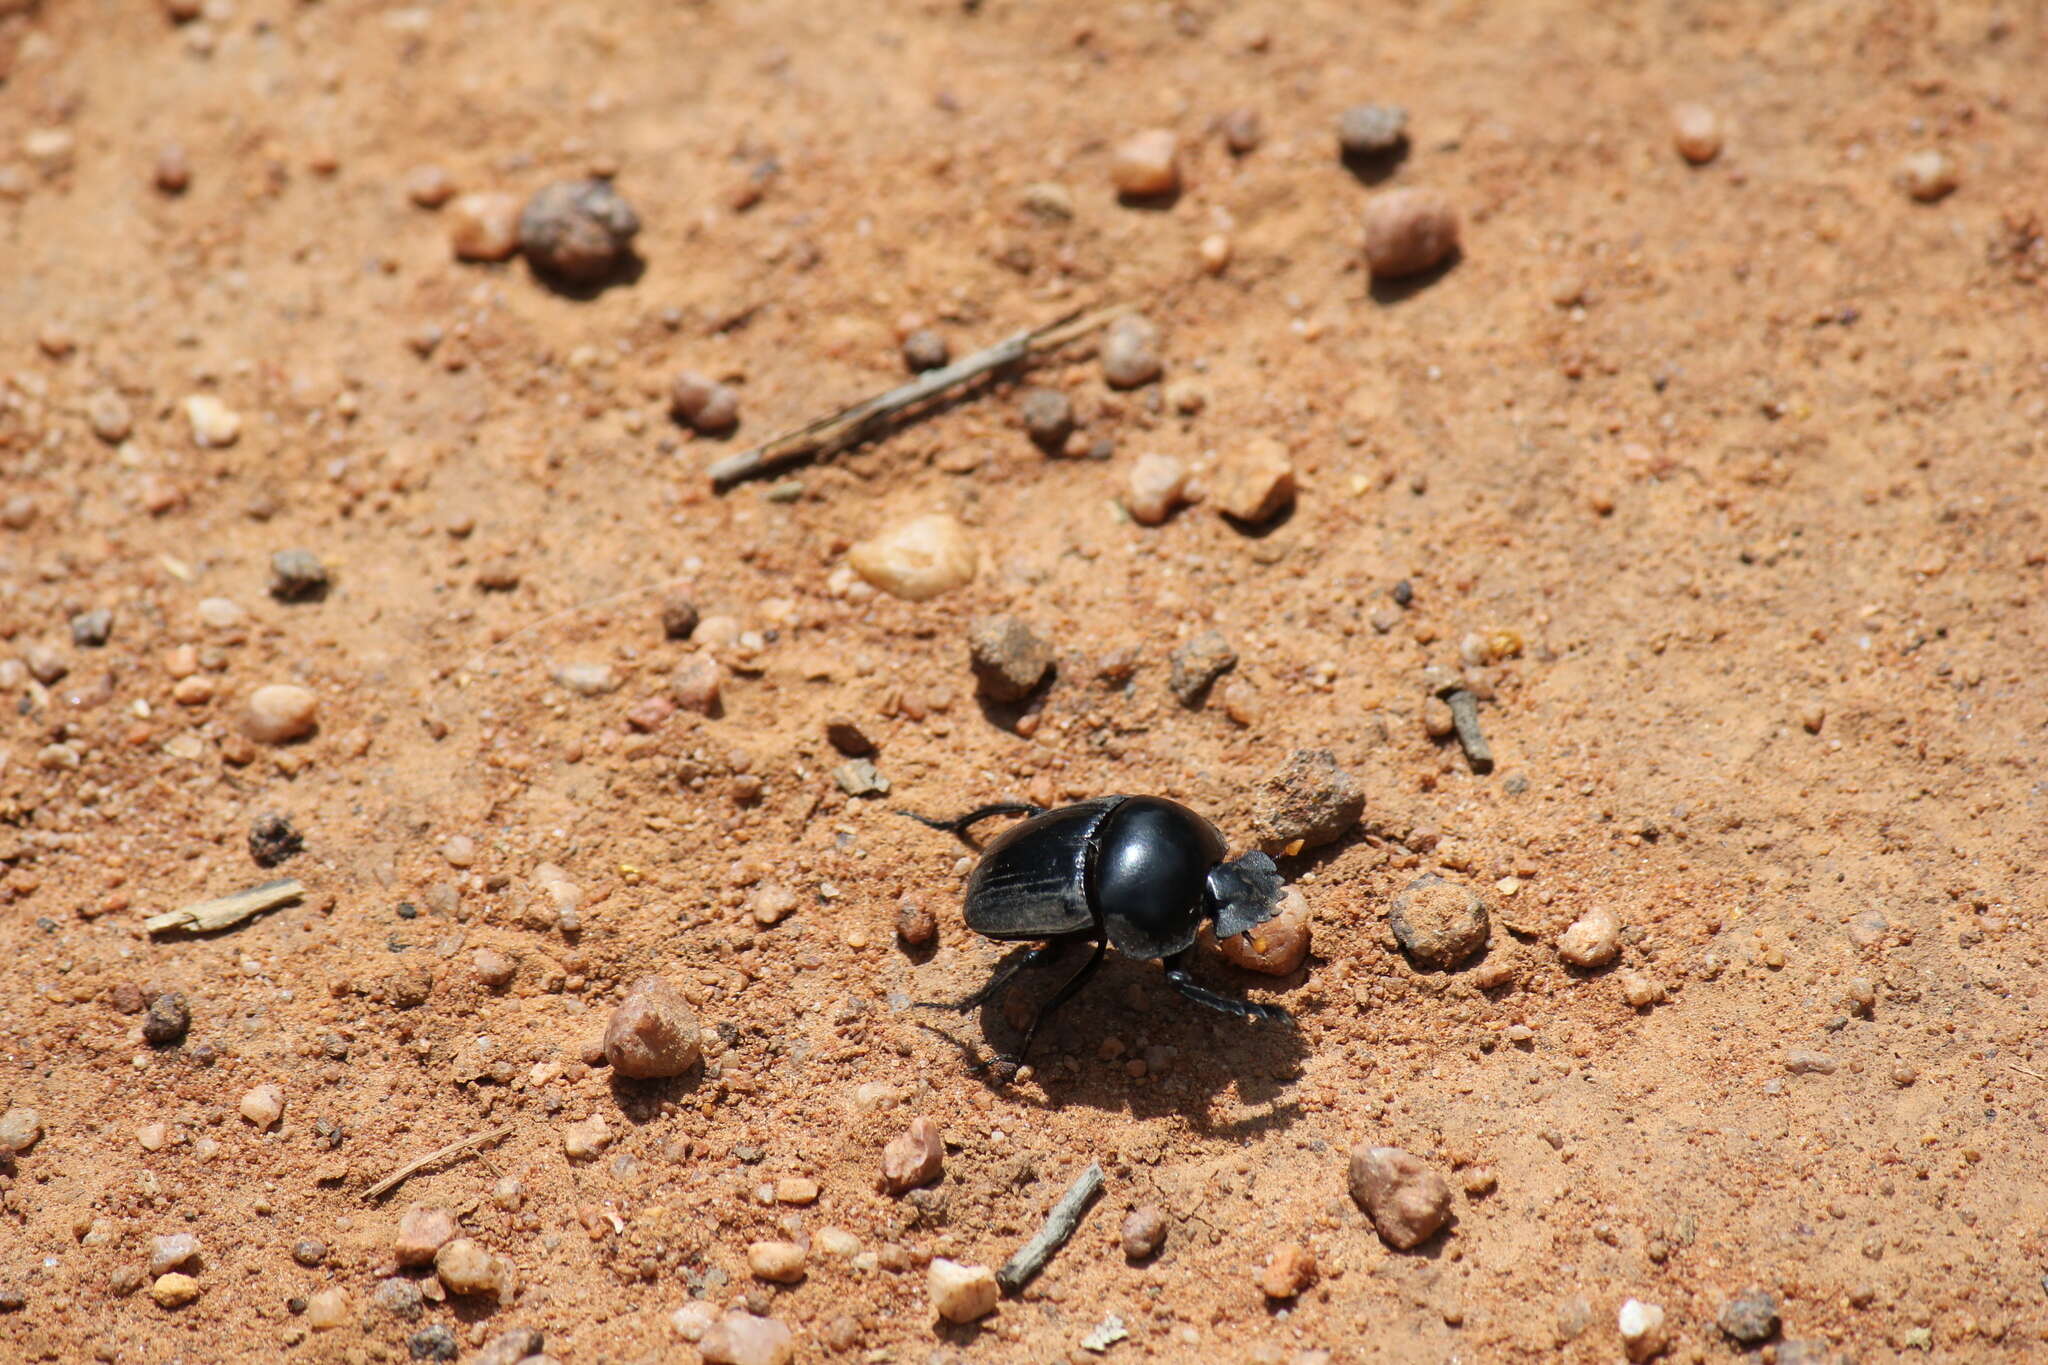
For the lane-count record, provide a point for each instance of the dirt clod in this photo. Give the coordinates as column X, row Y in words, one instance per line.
column 274, row 839
column 1437, row 922
column 1048, row 418
column 168, row 1020
column 653, row 1032
column 1144, row 1232
column 1290, row 1271
column 1009, row 659
column 1306, row 802
column 1749, row 1318
column 1408, row 1201
column 578, row 230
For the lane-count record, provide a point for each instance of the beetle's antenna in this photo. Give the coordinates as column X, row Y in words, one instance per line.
column 960, row 824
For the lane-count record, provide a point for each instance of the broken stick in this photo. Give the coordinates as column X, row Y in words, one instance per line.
column 206, row 916
column 849, row 426
column 418, row 1164
column 1060, row 1224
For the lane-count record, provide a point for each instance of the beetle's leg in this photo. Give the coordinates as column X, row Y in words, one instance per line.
column 1004, row 975
column 1061, row 996
column 1177, row 976
column 960, row 824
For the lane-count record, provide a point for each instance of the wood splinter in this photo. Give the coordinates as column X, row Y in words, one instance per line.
column 418, row 1164
column 852, row 425
column 1060, row 1225
column 203, row 917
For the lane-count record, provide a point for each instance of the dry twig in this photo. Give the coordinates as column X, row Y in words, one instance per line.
column 420, row 1163
column 1060, row 1224
column 849, row 426
column 204, row 917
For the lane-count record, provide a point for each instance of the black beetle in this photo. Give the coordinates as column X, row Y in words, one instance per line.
column 1140, row 872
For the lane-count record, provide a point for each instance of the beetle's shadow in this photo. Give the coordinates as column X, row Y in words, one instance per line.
column 1126, row 999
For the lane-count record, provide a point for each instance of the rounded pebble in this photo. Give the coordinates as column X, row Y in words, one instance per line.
column 1371, row 130
column 1130, row 352
column 465, row 1267
column 778, row 1262
column 214, row 424
column 1929, row 174
column 263, row 1105
column 280, row 712
column 484, row 227
column 914, row 1158
column 918, row 559
column 174, row 1290
column 422, row 1231
column 1048, row 417
column 653, row 1032
column 744, row 1339
column 1641, row 1325
column 961, row 1293
column 1157, row 484
column 1408, row 231
column 1696, row 133
column 1593, row 940
column 926, row 349
column 1143, row 1232
column 577, row 230
column 703, row 404
column 1146, row 165
column 327, row 1310
column 20, row 1129
column 429, row 186
column 1408, row 1201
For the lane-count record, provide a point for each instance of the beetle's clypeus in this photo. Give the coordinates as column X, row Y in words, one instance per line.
column 1140, row 873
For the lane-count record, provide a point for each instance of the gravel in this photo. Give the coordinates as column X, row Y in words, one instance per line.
column 1156, row 485
column 109, row 416
column 1805, row 1062
column 465, row 1267
column 679, row 616
column 309, row 1251
column 1371, row 130
column 1593, row 940
column 744, row 1339
column 174, row 1252
column 494, row 970
column 433, row 1343
column 1290, row 1270
column 429, row 186
column 169, row 1018
column 262, row 1105
column 1255, row 482
column 1130, row 352
column 172, row 173
column 1408, row 231
column 961, row 1293
column 1929, row 175
column 280, row 712
column 422, row 1230
column 777, row 1262
column 510, row 1347
column 586, row 678
column 580, row 231
column 1048, row 418
column 297, row 576
column 1696, row 133
column 703, row 404
column 845, row 734
column 587, row 1140
column 1196, row 665
column 1009, row 659
column 1242, row 131
column 1750, row 1318
column 484, row 227
column 696, row 685
column 1642, row 1329
column 860, row 777
column 918, row 559
column 1144, row 1232
column 1438, row 922
column 653, row 1032
column 273, row 839
column 174, row 1290
column 1408, row 1201
column 1306, row 802
column 1146, row 165
column 90, row 629
column 401, row 1298
column 915, row 925
column 926, row 349
column 214, row 424
column 914, row 1158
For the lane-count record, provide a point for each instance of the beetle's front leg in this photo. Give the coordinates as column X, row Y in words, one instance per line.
column 1043, row 954
column 1177, row 976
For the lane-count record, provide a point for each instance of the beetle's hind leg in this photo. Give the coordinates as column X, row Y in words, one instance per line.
column 1177, row 976
column 960, row 824
column 1004, row 975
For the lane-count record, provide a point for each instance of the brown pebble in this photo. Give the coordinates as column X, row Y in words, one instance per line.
column 1408, row 231
column 1407, row 1200
column 703, row 404
column 422, row 1230
column 494, row 969
column 915, row 1158
column 1048, row 417
column 926, row 349
column 1255, row 482
column 578, row 230
column 1144, row 1232
column 1242, row 132
column 173, row 169
column 679, row 616
column 1146, row 165
column 484, row 227
column 1696, row 133
column 653, row 1032
column 915, row 925
column 429, row 186
column 1929, row 174
column 845, row 734
column 1289, row 1271
column 1009, row 659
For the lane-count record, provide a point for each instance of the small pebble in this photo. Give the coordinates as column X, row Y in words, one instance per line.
column 961, row 1293
column 90, row 629
column 1750, row 1318
column 422, row 1231
column 1812, row 715
column 1438, row 922
column 459, row 850
column 13, row 1300
column 1214, row 252
column 1279, row 946
column 484, row 227
column 585, row 1141
column 1130, row 352
column 1408, row 231
column 1408, row 1201
column 494, row 970
column 1157, row 484
column 327, row 1310
column 586, row 679
column 108, row 413
column 433, row 1343
column 1195, row 665
column 779, row 1262
column 1048, row 417
column 796, row 1190
column 1144, row 1232
column 309, row 1251
column 860, row 777
column 703, row 404
column 465, row 1267
column 214, row 424
column 1306, row 802
column 1929, row 174
column 263, row 1106
column 45, row 664
column 918, row 559
column 1804, row 1062
column 915, row 1158
column 1641, row 991
column 1593, row 940
column 1146, row 165
column 1254, row 482
column 20, row 1129
column 679, row 616
column 653, row 1032
column 1242, row 131
column 279, row 712
column 1009, row 659
column 1371, row 130
column 173, row 170
column 174, row 1290
column 915, row 924
column 696, row 685
column 926, row 349
column 845, row 734
column 221, row 613
column 400, row 1298
column 1696, row 133
column 510, row 1347
column 168, row 1020
column 1437, row 720
column 744, row 1339
column 1290, row 1271
column 1641, row 1325
column 429, row 186
column 273, row 839
column 297, row 576
column 176, row 1252
column 578, row 230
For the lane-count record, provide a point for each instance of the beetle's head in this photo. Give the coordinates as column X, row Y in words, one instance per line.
column 1243, row 893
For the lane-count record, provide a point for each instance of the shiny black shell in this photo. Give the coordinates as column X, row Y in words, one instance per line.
column 1133, row 865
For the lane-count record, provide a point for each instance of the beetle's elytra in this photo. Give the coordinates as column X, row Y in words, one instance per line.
column 1139, row 872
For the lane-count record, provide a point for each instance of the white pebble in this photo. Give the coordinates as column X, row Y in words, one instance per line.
column 174, row 1252
column 214, row 423
column 221, row 612
column 1158, row 484
column 961, row 1293
column 916, row 559
column 1594, row 940
column 279, row 712
column 1642, row 1329
column 1928, row 175
column 263, row 1106
column 1147, row 164
column 586, row 679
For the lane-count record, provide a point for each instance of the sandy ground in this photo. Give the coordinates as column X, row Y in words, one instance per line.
column 1748, row 455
